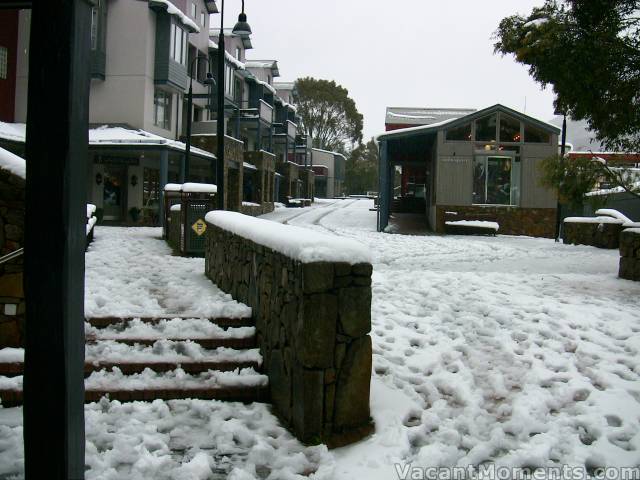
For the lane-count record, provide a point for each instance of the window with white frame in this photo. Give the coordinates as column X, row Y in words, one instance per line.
column 4, row 62
column 496, row 180
column 162, row 109
column 179, row 44
column 193, row 10
column 228, row 80
column 203, row 19
column 238, row 54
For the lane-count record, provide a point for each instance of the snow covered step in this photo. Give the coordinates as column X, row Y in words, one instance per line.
column 244, row 385
column 162, row 356
column 200, row 331
column 222, row 322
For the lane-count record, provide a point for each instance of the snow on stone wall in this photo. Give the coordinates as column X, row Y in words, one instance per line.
column 312, row 318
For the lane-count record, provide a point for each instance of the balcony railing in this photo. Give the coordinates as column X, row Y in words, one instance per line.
column 265, row 112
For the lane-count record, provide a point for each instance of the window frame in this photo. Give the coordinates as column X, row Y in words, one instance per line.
column 515, row 180
column 167, row 107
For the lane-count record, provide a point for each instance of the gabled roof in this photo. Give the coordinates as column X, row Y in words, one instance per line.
column 453, row 122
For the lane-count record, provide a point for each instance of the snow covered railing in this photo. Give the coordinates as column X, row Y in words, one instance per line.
column 311, row 299
column 630, row 254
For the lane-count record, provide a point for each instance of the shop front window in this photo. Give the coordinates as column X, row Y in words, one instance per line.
column 486, row 128
column 151, row 196
column 494, row 181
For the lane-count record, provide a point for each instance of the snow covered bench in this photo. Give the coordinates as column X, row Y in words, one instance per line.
column 311, row 299
column 630, row 254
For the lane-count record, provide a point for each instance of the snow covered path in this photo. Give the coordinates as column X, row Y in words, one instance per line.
column 130, row 272
column 511, row 350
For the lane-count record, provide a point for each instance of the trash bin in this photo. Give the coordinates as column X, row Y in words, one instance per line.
column 197, row 199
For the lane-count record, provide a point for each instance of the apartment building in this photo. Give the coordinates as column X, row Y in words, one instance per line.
column 145, row 54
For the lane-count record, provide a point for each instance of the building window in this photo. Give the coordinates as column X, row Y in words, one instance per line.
column 238, row 54
column 179, row 44
column 151, row 195
column 162, row 109
column 94, row 28
column 462, row 133
column 495, row 181
column 536, row 135
column 228, row 81
column 509, row 129
column 486, row 128
column 202, row 19
column 269, row 79
column 193, row 10
column 4, row 62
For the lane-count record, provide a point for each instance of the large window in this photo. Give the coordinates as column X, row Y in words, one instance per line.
column 486, row 128
column 509, row 129
column 162, row 109
column 179, row 44
column 228, row 80
column 495, row 181
column 536, row 135
column 462, row 133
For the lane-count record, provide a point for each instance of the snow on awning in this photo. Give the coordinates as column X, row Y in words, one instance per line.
column 176, row 12
column 230, row 58
column 109, row 136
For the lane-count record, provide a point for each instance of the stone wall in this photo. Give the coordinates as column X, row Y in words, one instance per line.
column 630, row 254
column 12, row 302
column 313, row 322
column 601, row 235
column 533, row 222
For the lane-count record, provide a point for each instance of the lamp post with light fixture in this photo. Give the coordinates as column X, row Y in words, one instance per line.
column 242, row 29
column 562, row 152
column 207, row 81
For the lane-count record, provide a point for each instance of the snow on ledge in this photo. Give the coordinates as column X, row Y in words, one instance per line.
column 633, row 230
column 609, row 212
column 173, row 187
column 306, row 246
column 173, row 10
column 598, row 220
column 13, row 163
column 476, row 224
column 199, row 188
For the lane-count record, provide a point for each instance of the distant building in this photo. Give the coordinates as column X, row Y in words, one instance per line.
column 468, row 165
column 329, row 169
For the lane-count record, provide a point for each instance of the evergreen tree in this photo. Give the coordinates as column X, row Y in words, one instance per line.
column 328, row 114
column 589, row 52
column 361, row 170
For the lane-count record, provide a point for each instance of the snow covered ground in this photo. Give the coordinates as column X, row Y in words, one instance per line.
column 130, row 272
column 511, row 350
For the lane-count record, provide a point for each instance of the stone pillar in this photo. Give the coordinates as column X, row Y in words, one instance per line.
column 630, row 254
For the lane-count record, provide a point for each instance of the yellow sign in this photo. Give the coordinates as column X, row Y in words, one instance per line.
column 199, row 227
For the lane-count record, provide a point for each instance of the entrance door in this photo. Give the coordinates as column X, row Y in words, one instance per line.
column 114, row 196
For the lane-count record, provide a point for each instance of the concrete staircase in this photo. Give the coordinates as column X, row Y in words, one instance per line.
column 142, row 359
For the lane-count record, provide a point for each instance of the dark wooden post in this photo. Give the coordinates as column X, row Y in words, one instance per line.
column 56, row 153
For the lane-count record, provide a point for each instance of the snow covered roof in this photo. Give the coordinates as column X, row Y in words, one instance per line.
column 285, row 86
column 423, row 116
column 176, row 12
column 230, row 58
column 264, row 64
column 107, row 135
column 301, row 244
column 453, row 121
column 329, row 151
column 13, row 163
column 228, row 32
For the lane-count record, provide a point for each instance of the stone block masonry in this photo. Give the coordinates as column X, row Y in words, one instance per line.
column 601, row 232
column 630, row 254
column 12, row 299
column 311, row 300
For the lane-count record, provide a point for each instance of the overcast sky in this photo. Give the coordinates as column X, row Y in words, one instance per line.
column 403, row 53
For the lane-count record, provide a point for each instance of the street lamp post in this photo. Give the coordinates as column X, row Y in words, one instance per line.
column 242, row 29
column 562, row 152
column 208, row 81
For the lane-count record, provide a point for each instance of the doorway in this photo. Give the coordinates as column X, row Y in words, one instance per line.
column 115, row 192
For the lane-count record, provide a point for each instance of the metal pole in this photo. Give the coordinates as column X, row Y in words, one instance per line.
column 57, row 154
column 562, row 151
column 220, row 117
column 187, row 148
